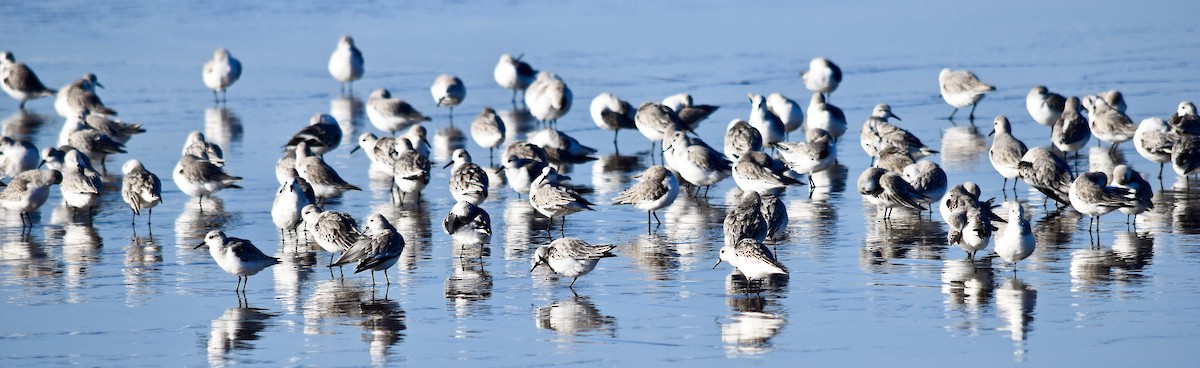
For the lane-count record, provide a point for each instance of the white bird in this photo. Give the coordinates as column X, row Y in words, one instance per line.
column 970, row 229
column 889, row 191
column 487, row 130
column 825, row 116
column 822, row 76
column 877, row 134
column 221, row 72
column 79, row 96
column 346, row 62
column 238, row 257
column 468, row 224
column 324, row 179
column 323, row 134
column 612, row 114
column 377, row 250
column 417, row 135
column 553, row 199
column 1185, row 120
column 548, row 98
column 19, row 81
column 199, row 178
column 1113, row 98
column 512, row 73
column 752, row 259
column 1143, row 193
column 197, row 145
column 961, row 88
column 1071, row 131
column 816, row 155
column 391, row 114
column 740, row 138
column 755, row 171
column 28, row 191
column 656, row 122
column 468, row 181
column 690, row 114
column 787, row 110
column 928, row 179
column 1016, row 242
column 761, row 118
column 449, row 91
column 1006, row 151
column 53, row 157
column 1154, row 141
column 1110, row 125
column 141, row 189
column 411, row 171
column 333, row 231
column 570, row 257
column 561, row 147
column 523, row 162
column 1044, row 106
column 290, row 200
column 961, row 196
column 656, row 189
column 17, row 156
column 81, row 184
column 380, row 151
column 696, row 163
column 1092, row 196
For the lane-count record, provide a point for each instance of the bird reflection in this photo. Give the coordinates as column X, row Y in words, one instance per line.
column 383, row 321
column 904, row 237
column 348, row 111
column 752, row 325
column 963, row 147
column 142, row 271
column 497, row 182
column 235, row 330
column 295, row 268
column 1185, row 214
column 1015, row 302
column 469, row 284
column 517, row 122
column 611, row 173
column 520, row 224
column 1053, row 234
column 27, row 262
column 654, row 256
column 575, row 316
column 413, row 223
column 1133, row 251
column 81, row 250
column 223, row 127
column 1103, row 159
column 23, row 125
column 737, row 284
column 817, row 219
column 445, row 141
column 831, row 180
column 968, row 288
column 689, row 223
column 195, row 221
column 1091, row 269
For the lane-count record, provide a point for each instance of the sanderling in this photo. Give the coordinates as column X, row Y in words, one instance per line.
column 655, row 121
column 816, row 155
column 1006, row 151
column 1110, row 125
column 746, row 220
column 761, row 118
column 333, row 231
column 1113, row 98
column 488, row 131
column 290, row 199
column 1070, row 131
column 323, row 134
column 695, row 162
column 959, row 196
column 561, row 146
column 512, row 73
column 449, row 91
column 1091, row 195
column 970, row 229
column 391, row 114
column 1185, row 156
column 1047, row 172
column 96, row 145
column 961, row 88
column 740, row 138
column 690, row 114
column 894, row 159
column 197, row 145
column 656, row 189
column 928, row 179
column 52, row 157
column 523, row 162
column 1185, row 120
column 468, row 224
column 570, row 257
column 346, row 62
column 775, row 214
column 417, row 135
column 822, row 115
column 553, row 199
column 612, row 114
column 199, row 178
column 889, row 190
column 20, row 82
column 411, row 170
column 1044, row 106
column 119, row 131
column 16, row 156
column 324, row 179
column 81, row 184
column 237, row 256
column 1016, row 242
column 221, row 72
column 548, row 98
column 752, row 259
column 1154, row 141
column 788, row 111
column 141, row 189
column 1143, row 193
column 285, row 167
column 377, row 250
column 28, row 191
column 822, row 76
column 79, row 96
column 877, row 134
column 758, row 172
column 468, row 181
column 380, row 151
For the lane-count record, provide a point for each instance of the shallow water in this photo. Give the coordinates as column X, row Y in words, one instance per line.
column 101, row 293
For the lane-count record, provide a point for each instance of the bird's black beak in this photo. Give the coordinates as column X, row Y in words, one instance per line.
column 448, row 164
column 992, row 133
column 41, row 163
column 355, row 149
column 535, row 265
column 198, row 245
column 718, row 263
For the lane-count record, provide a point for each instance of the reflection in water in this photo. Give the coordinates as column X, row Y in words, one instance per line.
column 1053, row 234
column 517, row 122
column 522, row 225
column 832, row 180
column 413, row 223
column 1095, row 269
column 963, row 147
column 611, row 173
column 223, row 127
column 194, row 221
column 295, row 268
column 1185, row 215
column 1015, row 302
column 903, row 237
column 23, row 125
column 1091, row 269
column 497, row 182
column 1102, row 160
column 27, row 262
column 348, row 111
column 445, row 141
column 817, row 221
column 694, row 226
column 234, row 330
column 142, row 271
column 575, row 316
column 967, row 289
column 750, row 328
column 81, row 251
column 469, row 284
column 653, row 255
column 353, row 303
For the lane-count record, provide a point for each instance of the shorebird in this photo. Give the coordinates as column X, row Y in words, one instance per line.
column 197, row 145
column 141, row 189
column 346, row 63
column 548, row 98
column 1185, row 120
column 889, row 190
column 970, row 229
column 1070, row 132
column 411, row 171
column 746, row 220
column 1006, row 151
column 28, row 191
column 1154, row 141
column 238, row 257
column 761, row 118
column 380, row 151
column 1143, row 194
column 333, row 231
column 552, row 199
column 877, row 134
column 929, row 180
column 612, row 114
column 512, row 73
column 323, row 134
column 53, row 157
column 418, row 136
column 79, row 96
column 570, row 257
column 468, row 181
column 377, row 250
column 523, row 162
column 788, row 111
column 741, row 138
column 656, row 190
column 19, row 81
column 1113, row 98
column 775, row 214
column 752, row 259
column 816, row 155
column 1110, row 125
column 488, row 131
column 391, row 114
column 1044, row 106
column 755, row 171
column 960, row 196
column 324, row 179
column 1185, row 156
column 822, row 76
column 695, row 162
column 690, row 114
column 16, row 156
column 118, row 131
column 822, row 115
column 1091, row 195
column 894, row 159
column 221, row 72
column 961, row 88
column 1016, row 242
column 656, row 122
column 199, row 178
column 290, row 200
column 561, row 147
column 449, row 91
column 468, row 224
column 95, row 144
column 81, row 184
column 1047, row 172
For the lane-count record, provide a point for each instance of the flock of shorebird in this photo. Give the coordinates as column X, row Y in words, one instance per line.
column 897, row 179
